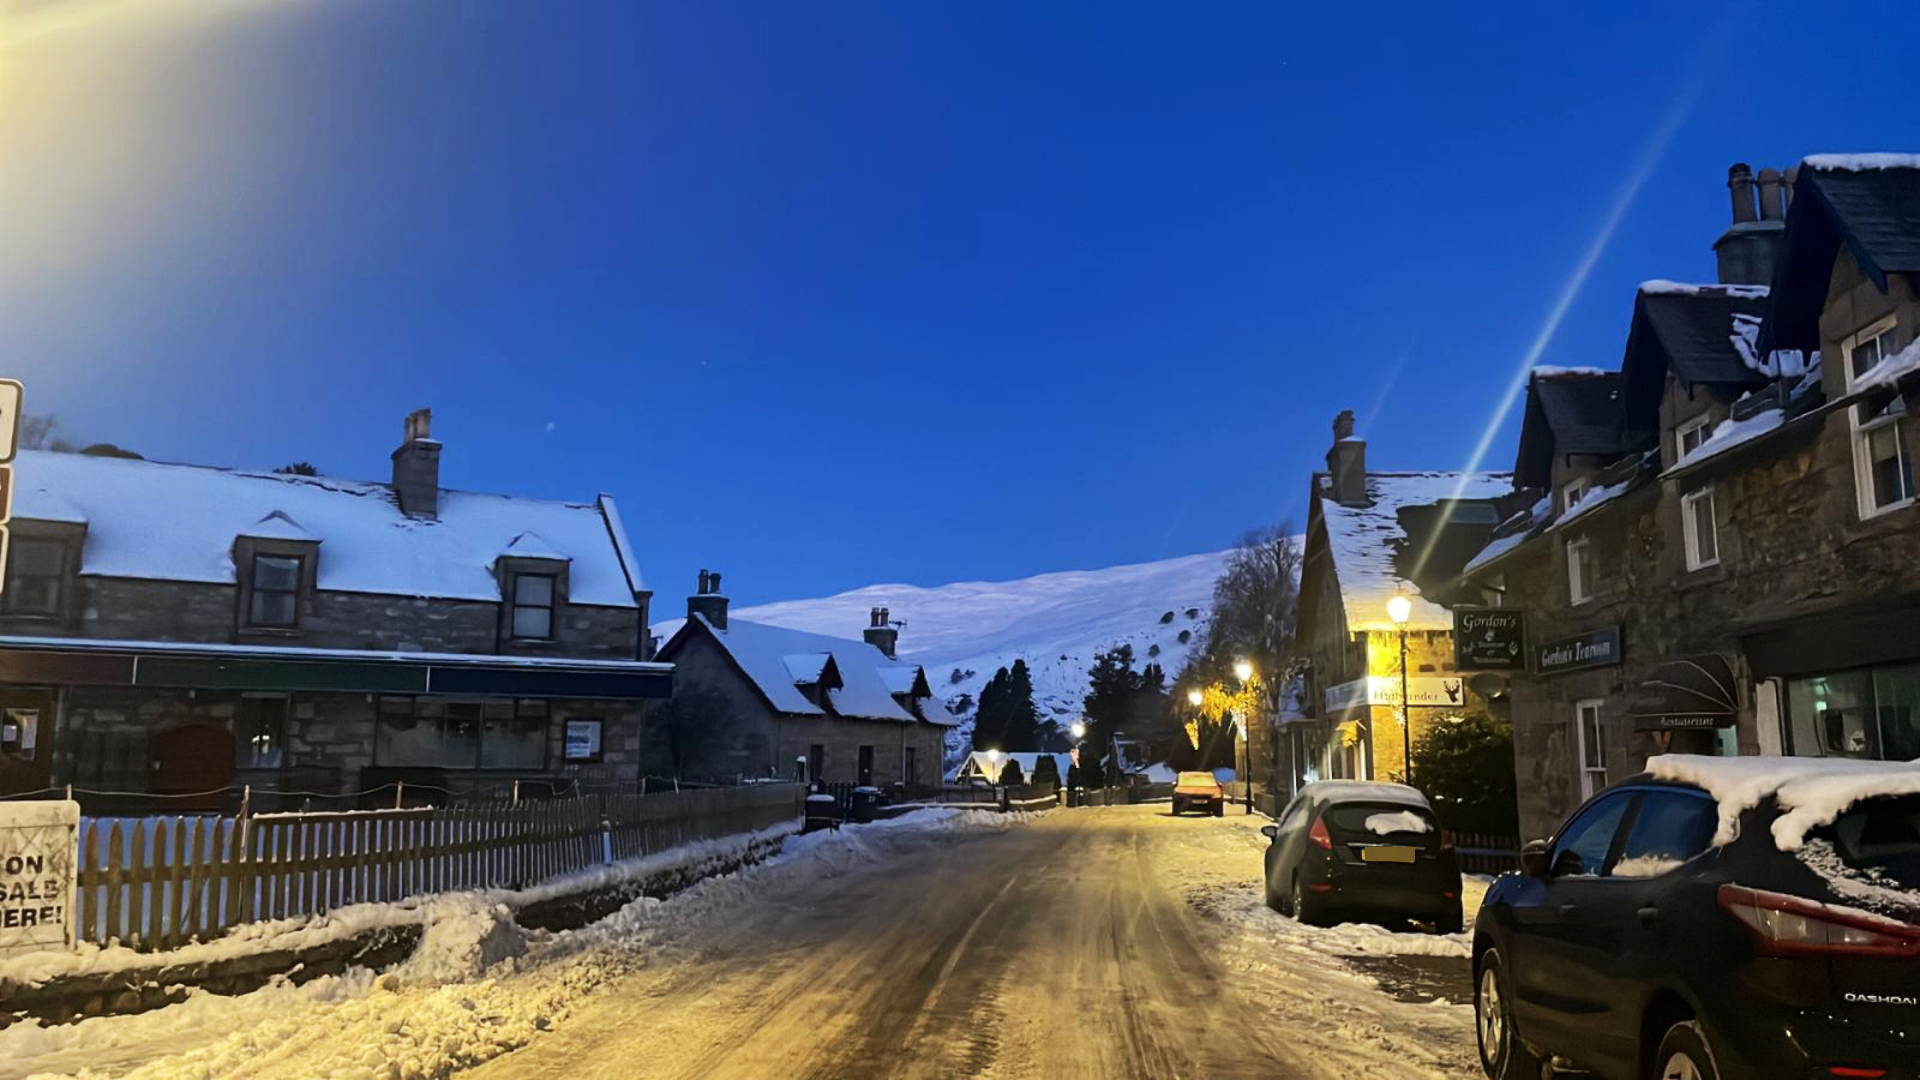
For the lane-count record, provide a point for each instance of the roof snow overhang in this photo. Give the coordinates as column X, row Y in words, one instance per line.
column 1870, row 206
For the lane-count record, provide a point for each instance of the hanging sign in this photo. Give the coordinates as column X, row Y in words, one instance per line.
column 1489, row 639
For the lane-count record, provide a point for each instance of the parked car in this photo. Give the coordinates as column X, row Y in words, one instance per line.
column 1348, row 849
column 1650, row 937
column 1199, row 791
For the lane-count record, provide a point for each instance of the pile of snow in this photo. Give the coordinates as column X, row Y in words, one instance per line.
column 1865, row 886
column 1781, row 363
column 1592, row 500
column 1406, row 821
column 1812, row 791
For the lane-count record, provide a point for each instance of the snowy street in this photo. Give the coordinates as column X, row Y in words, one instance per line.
column 1097, row 942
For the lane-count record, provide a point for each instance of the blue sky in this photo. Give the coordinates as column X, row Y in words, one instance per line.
column 834, row 294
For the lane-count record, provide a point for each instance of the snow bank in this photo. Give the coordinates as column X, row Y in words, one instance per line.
column 1811, row 791
column 1404, row 821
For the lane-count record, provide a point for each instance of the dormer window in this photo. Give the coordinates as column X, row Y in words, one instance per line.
column 275, row 600
column 1572, row 492
column 1689, row 436
column 36, row 578
column 533, row 604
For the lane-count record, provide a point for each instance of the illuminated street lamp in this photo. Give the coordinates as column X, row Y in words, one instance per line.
column 1195, row 697
column 993, row 759
column 1243, row 670
column 1400, row 610
column 1079, row 731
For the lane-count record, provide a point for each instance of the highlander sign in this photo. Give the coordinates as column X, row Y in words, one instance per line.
column 39, row 849
column 1595, row 648
column 1385, row 690
column 1489, row 639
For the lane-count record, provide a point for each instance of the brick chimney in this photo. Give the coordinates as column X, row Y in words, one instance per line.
column 1749, row 249
column 416, row 468
column 1347, row 463
column 709, row 602
column 881, row 633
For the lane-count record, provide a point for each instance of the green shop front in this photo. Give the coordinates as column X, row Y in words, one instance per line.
column 163, row 725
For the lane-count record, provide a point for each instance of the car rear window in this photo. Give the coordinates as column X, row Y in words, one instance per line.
column 1881, row 835
column 1398, row 822
column 1197, row 779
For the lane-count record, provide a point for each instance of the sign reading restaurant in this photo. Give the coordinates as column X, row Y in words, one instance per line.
column 1489, row 639
column 1595, row 648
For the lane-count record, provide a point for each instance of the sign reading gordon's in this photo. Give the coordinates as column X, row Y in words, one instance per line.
column 39, row 851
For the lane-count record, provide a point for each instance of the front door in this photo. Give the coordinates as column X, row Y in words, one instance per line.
column 26, row 739
column 195, row 760
column 866, row 765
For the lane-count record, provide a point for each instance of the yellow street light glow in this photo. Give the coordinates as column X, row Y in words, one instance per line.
column 1243, row 670
column 1079, row 730
column 1195, row 697
column 1399, row 609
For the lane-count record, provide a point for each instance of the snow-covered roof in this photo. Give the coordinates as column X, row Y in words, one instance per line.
column 978, row 763
column 1593, row 499
column 1663, row 287
column 777, row 660
column 1517, row 530
column 530, row 545
column 934, row 711
column 166, row 522
column 1861, row 162
column 1365, row 791
column 1366, row 542
column 901, row 678
column 1812, row 791
column 308, row 652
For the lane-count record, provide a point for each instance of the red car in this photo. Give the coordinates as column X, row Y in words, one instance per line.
column 1199, row 791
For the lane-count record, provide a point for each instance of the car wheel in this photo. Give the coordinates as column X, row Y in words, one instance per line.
column 1219, row 809
column 1502, row 1054
column 1684, row 1055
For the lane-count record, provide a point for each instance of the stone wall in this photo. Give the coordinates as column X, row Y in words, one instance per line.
column 183, row 611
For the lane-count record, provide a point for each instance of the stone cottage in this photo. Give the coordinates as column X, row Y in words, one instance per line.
column 167, row 630
column 1739, row 573
column 791, row 703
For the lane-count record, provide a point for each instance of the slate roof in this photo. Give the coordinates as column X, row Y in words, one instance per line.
column 1868, row 202
column 1694, row 330
column 1570, row 412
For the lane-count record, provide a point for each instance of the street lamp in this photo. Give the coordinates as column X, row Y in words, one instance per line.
column 1243, row 670
column 1400, row 610
column 1195, row 697
column 1079, row 731
column 993, row 759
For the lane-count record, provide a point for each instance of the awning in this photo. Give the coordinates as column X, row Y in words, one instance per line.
column 1696, row 692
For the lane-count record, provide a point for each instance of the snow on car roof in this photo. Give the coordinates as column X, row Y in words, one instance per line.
column 1812, row 791
column 1365, row 791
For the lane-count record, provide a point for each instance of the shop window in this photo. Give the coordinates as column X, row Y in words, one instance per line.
column 1882, row 473
column 533, row 604
column 1702, row 535
column 1688, row 436
column 1579, row 570
column 36, row 578
column 275, row 600
column 438, row 733
column 1832, row 716
column 1592, row 746
column 260, row 732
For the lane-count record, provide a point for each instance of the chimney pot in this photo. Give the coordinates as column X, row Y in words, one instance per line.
column 1773, row 204
column 1740, row 185
column 1347, row 463
column 416, row 468
column 882, row 636
column 708, row 602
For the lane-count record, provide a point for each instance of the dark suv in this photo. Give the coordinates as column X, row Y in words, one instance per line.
column 1632, row 946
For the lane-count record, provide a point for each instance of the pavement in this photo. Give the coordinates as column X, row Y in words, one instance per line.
column 1079, row 945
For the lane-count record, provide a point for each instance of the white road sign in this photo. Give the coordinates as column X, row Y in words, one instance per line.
column 10, row 399
column 39, row 855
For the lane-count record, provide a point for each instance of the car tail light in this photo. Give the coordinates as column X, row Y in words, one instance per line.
column 1866, row 1074
column 1784, row 925
column 1319, row 835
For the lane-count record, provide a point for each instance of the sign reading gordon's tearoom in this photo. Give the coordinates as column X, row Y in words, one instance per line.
column 1595, row 648
column 39, row 852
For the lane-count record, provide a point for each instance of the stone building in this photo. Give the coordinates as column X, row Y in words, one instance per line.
column 1739, row 572
column 174, row 629
column 1372, row 536
column 791, row 702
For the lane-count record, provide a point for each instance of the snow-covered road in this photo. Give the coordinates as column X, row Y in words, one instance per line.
column 1096, row 942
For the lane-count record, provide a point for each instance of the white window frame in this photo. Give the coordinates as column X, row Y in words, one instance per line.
column 1579, row 589
column 1860, row 433
column 1572, row 491
column 1689, row 507
column 1593, row 777
column 1702, row 423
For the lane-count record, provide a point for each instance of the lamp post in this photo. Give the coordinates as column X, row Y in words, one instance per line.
column 1079, row 731
column 1400, row 610
column 1243, row 670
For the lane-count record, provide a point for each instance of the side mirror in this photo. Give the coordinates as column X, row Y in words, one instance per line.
column 1533, row 858
column 1271, row 832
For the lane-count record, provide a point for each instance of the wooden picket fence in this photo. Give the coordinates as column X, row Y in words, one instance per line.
column 161, row 882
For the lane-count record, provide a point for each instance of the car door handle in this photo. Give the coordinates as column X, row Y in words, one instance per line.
column 1649, row 916
column 1568, row 909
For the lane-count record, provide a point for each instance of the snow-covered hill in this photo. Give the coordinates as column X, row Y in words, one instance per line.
column 962, row 633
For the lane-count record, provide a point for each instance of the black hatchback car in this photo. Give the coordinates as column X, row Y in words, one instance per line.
column 1348, row 849
column 1632, row 946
